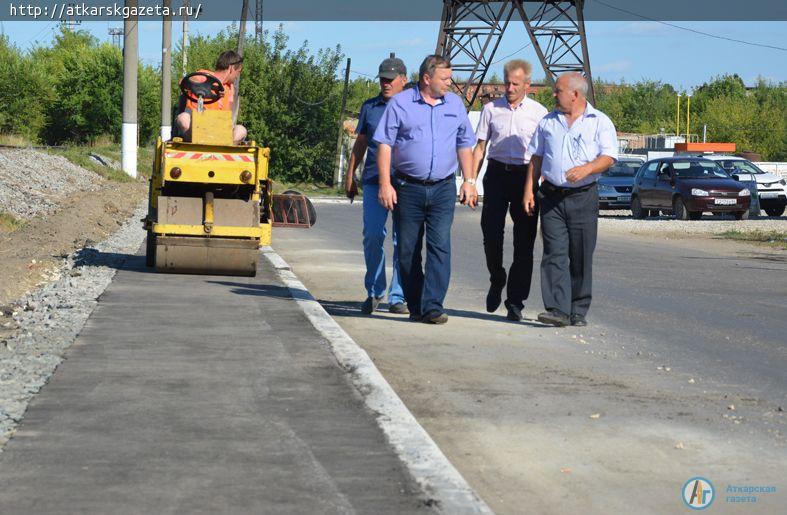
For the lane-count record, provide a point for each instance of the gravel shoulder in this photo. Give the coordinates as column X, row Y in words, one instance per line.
column 54, row 267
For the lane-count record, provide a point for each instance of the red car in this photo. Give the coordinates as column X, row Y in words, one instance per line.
column 687, row 187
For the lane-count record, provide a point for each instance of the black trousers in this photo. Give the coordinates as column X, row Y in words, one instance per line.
column 569, row 226
column 503, row 192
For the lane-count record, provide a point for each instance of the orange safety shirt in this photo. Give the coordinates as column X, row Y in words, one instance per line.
column 222, row 104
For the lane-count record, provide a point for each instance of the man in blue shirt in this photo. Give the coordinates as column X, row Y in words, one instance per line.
column 421, row 135
column 572, row 145
column 393, row 76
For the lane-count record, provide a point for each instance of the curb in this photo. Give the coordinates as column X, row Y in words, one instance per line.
column 424, row 460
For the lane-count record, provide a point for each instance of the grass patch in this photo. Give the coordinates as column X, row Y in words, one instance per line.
column 80, row 155
column 777, row 239
column 8, row 223
column 15, row 140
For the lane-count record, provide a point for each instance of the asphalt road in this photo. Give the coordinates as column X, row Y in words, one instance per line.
column 680, row 373
column 201, row 394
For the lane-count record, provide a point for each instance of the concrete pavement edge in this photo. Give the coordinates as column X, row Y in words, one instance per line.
column 424, row 460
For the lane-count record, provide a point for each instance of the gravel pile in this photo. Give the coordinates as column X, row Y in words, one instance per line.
column 611, row 221
column 32, row 183
column 46, row 321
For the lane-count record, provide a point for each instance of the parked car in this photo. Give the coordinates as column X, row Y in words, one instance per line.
column 771, row 189
column 687, row 187
column 615, row 185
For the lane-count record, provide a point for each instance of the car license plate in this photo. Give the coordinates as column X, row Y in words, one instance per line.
column 624, row 198
column 769, row 194
column 725, row 201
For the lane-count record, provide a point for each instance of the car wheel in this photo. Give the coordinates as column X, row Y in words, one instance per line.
column 636, row 209
column 775, row 210
column 742, row 215
column 679, row 209
column 695, row 215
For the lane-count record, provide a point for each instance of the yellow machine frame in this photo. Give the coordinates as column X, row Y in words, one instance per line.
column 211, row 164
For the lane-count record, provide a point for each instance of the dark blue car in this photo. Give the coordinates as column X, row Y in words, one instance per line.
column 615, row 185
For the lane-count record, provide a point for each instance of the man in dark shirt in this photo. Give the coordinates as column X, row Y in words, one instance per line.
column 393, row 76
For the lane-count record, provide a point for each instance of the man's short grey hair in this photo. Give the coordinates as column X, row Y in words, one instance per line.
column 577, row 82
column 519, row 64
column 431, row 63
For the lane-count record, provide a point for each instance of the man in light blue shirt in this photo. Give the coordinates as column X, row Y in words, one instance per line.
column 571, row 147
column 421, row 136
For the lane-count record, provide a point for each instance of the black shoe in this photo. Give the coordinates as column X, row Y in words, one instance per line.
column 398, row 308
column 370, row 305
column 493, row 297
column 514, row 312
column 578, row 320
column 553, row 317
column 434, row 317
column 415, row 317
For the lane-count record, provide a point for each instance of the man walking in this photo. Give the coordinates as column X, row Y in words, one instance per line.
column 393, row 76
column 422, row 133
column 572, row 145
column 508, row 124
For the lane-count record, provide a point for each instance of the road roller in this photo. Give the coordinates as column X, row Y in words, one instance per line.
column 209, row 203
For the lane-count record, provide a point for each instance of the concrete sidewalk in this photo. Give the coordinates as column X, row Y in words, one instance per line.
column 201, row 394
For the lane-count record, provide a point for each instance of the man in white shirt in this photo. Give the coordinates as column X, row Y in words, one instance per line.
column 504, row 132
column 571, row 147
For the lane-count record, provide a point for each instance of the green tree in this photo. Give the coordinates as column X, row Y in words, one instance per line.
column 21, row 106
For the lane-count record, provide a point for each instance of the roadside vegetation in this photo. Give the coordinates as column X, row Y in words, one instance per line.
column 776, row 239
column 8, row 223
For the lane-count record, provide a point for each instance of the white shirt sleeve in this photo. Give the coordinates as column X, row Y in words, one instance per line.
column 607, row 138
column 536, row 147
column 482, row 131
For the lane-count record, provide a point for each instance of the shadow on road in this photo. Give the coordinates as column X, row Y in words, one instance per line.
column 264, row 290
column 352, row 309
column 89, row 256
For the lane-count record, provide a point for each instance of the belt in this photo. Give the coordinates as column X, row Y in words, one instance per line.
column 425, row 182
column 508, row 167
column 548, row 187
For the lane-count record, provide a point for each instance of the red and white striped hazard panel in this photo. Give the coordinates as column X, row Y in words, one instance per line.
column 210, row 156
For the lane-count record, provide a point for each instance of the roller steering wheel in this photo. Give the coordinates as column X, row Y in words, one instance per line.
column 211, row 89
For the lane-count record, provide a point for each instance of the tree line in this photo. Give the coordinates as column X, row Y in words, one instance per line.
column 70, row 92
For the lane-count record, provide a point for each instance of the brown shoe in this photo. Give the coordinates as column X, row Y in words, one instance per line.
column 434, row 317
column 400, row 308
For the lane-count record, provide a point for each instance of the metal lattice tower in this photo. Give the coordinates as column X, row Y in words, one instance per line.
column 117, row 36
column 470, row 33
column 258, row 20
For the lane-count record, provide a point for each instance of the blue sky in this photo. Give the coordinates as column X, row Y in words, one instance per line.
column 618, row 50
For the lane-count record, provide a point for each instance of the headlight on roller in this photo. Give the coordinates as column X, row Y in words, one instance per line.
column 698, row 192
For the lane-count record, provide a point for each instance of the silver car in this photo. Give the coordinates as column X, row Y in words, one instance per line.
column 771, row 189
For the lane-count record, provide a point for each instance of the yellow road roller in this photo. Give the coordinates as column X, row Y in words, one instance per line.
column 209, row 207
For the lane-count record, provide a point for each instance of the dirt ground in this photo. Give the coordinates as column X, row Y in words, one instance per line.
column 31, row 254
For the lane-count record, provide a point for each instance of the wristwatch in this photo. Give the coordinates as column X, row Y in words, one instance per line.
column 470, row 181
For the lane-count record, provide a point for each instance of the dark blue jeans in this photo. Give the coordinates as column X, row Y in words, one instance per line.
column 425, row 211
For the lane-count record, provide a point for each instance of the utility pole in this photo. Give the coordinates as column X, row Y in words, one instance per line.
column 128, row 148
column 241, row 43
column 258, row 21
column 166, row 74
column 337, row 175
column 184, row 45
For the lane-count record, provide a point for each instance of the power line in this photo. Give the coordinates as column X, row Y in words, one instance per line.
column 695, row 31
column 509, row 55
column 361, row 73
column 51, row 25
